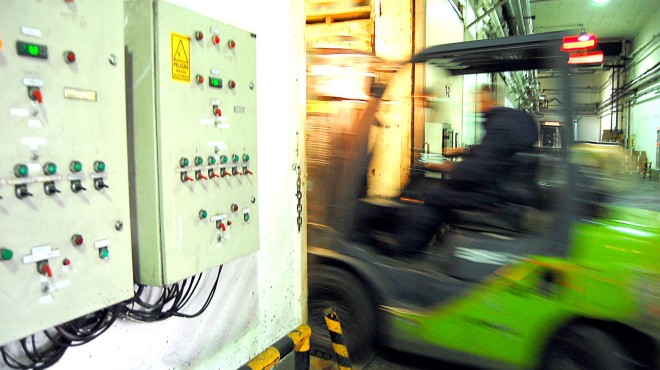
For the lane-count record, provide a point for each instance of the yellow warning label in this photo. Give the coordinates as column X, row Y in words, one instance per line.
column 180, row 57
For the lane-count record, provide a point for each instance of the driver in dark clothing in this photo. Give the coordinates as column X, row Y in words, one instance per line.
column 474, row 182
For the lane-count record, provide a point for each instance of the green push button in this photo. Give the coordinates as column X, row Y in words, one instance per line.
column 21, row 170
column 50, row 168
column 104, row 253
column 212, row 160
column 184, row 162
column 203, row 214
column 246, row 217
column 246, row 157
column 223, row 159
column 75, row 166
column 199, row 161
column 6, row 254
column 234, row 158
column 99, row 166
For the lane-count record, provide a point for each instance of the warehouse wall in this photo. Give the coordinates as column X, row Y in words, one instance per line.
column 645, row 116
column 260, row 297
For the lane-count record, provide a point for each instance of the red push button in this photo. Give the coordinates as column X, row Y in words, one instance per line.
column 216, row 40
column 77, row 240
column 231, row 44
column 199, row 79
column 69, row 56
column 66, row 262
column 231, row 84
column 199, row 35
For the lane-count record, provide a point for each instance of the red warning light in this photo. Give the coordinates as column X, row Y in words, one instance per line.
column 583, row 41
column 586, row 58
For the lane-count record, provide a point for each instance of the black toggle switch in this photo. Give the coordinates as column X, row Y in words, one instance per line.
column 76, row 186
column 22, row 191
column 50, row 188
column 99, row 184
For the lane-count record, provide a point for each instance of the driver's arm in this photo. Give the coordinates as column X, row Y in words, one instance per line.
column 444, row 167
column 455, row 152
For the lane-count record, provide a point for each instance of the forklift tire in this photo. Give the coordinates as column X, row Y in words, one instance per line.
column 585, row 347
column 334, row 287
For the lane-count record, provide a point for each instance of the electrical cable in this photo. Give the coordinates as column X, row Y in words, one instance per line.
column 40, row 358
column 171, row 300
column 209, row 298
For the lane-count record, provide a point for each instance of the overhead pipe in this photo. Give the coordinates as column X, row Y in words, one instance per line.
column 518, row 16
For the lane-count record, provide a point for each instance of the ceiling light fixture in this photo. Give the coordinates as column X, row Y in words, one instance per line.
column 600, row 1
column 593, row 57
column 583, row 41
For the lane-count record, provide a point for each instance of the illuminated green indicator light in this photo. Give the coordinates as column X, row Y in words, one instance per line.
column 50, row 168
column 21, row 170
column 31, row 50
column 212, row 160
column 104, row 253
column 215, row 82
column 6, row 254
column 75, row 166
column 223, row 159
column 99, row 166
column 234, row 158
column 202, row 214
column 184, row 162
column 246, row 158
column 199, row 161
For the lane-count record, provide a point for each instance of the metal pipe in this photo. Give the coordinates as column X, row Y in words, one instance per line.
column 493, row 8
column 518, row 16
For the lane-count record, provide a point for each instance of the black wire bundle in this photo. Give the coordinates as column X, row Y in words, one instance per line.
column 171, row 300
column 56, row 341
column 87, row 328
column 36, row 356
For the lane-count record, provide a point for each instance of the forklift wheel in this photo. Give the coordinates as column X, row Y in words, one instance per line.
column 331, row 286
column 584, row 348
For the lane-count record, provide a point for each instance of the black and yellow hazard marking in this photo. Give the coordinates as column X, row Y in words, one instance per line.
column 297, row 340
column 337, row 339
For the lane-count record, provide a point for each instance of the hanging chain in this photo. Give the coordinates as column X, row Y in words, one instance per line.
column 299, row 194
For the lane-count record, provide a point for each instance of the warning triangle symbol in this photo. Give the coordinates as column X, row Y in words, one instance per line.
column 180, row 54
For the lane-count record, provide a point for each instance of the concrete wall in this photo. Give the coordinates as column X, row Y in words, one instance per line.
column 645, row 115
column 261, row 296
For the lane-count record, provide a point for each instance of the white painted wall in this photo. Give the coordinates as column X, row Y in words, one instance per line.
column 588, row 129
column 260, row 297
column 645, row 115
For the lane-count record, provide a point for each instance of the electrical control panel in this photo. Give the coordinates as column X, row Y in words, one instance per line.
column 65, row 247
column 192, row 127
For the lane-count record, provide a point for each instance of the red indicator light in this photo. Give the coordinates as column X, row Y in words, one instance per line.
column 231, row 44
column 199, row 35
column 580, row 42
column 66, row 262
column 586, row 58
column 77, row 240
column 69, row 56
column 231, row 84
column 200, row 79
column 216, row 40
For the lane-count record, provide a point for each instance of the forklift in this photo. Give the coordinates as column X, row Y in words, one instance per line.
column 553, row 276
